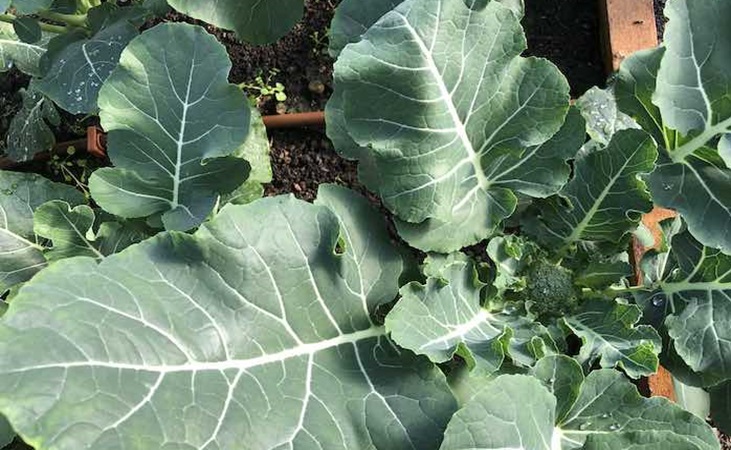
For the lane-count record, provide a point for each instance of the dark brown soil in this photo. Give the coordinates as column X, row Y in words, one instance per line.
column 10, row 101
column 725, row 441
column 723, row 438
column 660, row 17
column 302, row 159
column 567, row 32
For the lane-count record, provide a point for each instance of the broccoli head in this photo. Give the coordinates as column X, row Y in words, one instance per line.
column 550, row 292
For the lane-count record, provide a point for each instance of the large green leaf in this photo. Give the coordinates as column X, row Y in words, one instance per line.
column 721, row 406
column 172, row 120
column 698, row 188
column 255, row 21
column 511, row 412
column 15, row 53
column 77, row 66
column 692, row 398
column 697, row 284
column 693, row 85
column 29, row 132
column 633, row 87
column 21, row 252
column 257, row 329
column 611, row 336
column 539, row 172
column 603, row 118
column 354, row 17
column 31, row 6
column 255, row 150
column 563, row 376
column 518, row 412
column 444, row 316
column 6, row 432
column 72, row 232
column 439, row 124
column 605, row 199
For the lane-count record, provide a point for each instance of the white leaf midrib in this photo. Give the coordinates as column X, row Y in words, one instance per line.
column 219, row 366
column 459, row 126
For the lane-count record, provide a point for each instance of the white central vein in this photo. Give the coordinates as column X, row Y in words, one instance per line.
column 237, row 364
column 581, row 226
column 180, row 143
column 462, row 329
column 459, row 126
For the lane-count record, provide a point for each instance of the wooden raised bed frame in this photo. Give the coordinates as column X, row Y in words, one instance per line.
column 627, row 26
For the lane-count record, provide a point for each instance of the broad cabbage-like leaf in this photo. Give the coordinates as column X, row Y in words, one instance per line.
column 72, row 231
column 29, row 132
column 697, row 283
column 692, row 94
column 562, row 376
column 444, row 318
column 437, row 125
column 21, row 250
column 602, row 274
column 611, row 336
column 353, row 18
column 519, row 412
column 605, row 198
column 721, row 406
column 6, row 432
column 257, row 329
column 255, row 21
column 255, row 150
column 172, row 120
column 539, row 172
column 28, row 29
column 603, row 118
column 25, row 7
column 15, row 53
column 633, row 87
column 692, row 398
column 77, row 65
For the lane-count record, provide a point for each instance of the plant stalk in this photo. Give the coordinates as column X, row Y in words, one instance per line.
column 681, row 153
column 73, row 20
column 615, row 291
column 86, row 5
column 57, row 29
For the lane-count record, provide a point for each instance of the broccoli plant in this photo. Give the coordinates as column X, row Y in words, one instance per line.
column 278, row 323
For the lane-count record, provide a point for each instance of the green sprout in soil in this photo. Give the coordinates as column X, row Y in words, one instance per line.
column 264, row 87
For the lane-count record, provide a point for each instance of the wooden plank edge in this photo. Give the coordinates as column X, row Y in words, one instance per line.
column 628, row 26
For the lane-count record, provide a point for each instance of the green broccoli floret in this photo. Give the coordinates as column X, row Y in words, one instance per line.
column 550, row 292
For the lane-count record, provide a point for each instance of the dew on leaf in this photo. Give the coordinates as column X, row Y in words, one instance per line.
column 658, row 300
column 613, row 427
column 584, row 426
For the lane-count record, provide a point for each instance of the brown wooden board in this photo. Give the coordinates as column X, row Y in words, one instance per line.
column 627, row 26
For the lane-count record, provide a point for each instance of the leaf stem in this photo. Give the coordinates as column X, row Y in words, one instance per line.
column 681, row 153
column 69, row 19
column 617, row 290
column 9, row 18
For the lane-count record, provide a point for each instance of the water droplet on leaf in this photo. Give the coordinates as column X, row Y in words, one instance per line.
column 658, row 300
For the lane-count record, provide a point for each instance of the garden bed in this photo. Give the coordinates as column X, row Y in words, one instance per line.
column 566, row 32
